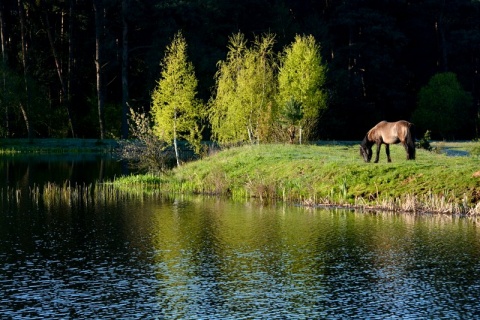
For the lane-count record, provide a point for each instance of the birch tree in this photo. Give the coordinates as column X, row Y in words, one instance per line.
column 175, row 109
column 245, row 89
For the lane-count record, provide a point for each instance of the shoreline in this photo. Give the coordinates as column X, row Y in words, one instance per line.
column 52, row 145
column 326, row 174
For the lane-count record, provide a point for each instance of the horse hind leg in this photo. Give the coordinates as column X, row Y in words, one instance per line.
column 387, row 151
column 407, row 151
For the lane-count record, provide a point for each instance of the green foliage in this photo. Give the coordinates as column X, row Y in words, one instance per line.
column 245, row 88
column 176, row 110
column 226, row 113
column 290, row 116
column 302, row 78
column 424, row 143
column 292, row 112
column 443, row 106
column 46, row 119
column 373, row 52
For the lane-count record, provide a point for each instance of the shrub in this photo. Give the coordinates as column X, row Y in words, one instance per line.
column 145, row 151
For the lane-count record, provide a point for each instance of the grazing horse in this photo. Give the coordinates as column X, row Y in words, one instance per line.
column 389, row 133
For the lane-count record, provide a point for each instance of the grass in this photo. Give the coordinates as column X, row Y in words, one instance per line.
column 327, row 175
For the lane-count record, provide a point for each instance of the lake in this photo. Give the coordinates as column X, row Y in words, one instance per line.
column 202, row 257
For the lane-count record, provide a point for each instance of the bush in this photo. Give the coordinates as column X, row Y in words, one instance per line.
column 424, row 143
column 145, row 151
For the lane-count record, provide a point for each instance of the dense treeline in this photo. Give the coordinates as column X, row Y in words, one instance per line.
column 72, row 67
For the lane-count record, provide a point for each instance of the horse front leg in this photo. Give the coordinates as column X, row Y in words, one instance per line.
column 387, row 151
column 378, row 151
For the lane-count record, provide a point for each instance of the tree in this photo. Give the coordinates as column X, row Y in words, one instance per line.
column 4, row 73
column 301, row 79
column 25, row 105
column 291, row 114
column 175, row 109
column 58, row 64
column 443, row 106
column 226, row 117
column 124, row 130
column 245, row 88
column 99, row 60
column 257, row 87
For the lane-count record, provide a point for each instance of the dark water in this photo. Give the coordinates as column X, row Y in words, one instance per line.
column 193, row 258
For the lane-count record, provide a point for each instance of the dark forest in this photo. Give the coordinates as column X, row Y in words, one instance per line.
column 70, row 68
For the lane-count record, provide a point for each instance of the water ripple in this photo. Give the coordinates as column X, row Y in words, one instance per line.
column 217, row 260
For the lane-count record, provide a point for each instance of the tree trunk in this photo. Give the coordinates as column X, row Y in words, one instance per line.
column 124, row 70
column 99, row 27
column 4, row 65
column 440, row 27
column 60, row 74
column 24, row 109
column 175, row 146
column 25, row 118
column 291, row 134
column 70, row 64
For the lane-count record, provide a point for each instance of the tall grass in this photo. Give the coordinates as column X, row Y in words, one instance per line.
column 52, row 194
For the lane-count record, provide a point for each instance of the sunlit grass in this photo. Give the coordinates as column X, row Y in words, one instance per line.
column 330, row 175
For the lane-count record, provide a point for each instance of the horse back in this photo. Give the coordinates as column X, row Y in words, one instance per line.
column 390, row 132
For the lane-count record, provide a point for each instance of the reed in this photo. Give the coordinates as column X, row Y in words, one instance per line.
column 10, row 195
column 52, row 194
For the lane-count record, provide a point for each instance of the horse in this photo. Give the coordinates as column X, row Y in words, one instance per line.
column 389, row 133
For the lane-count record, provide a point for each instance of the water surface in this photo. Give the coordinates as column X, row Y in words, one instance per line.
column 215, row 259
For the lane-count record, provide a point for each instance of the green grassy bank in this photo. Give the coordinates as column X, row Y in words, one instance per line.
column 329, row 175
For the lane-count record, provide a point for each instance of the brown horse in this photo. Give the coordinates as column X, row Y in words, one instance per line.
column 389, row 133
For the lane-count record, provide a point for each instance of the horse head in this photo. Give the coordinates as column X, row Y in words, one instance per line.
column 366, row 150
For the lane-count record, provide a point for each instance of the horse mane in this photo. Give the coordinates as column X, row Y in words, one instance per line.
column 367, row 142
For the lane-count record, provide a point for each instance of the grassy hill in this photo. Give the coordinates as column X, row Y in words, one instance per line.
column 330, row 174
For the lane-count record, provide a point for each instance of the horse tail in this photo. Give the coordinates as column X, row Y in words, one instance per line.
column 410, row 139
